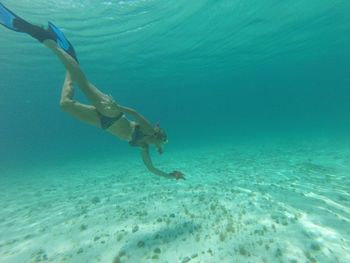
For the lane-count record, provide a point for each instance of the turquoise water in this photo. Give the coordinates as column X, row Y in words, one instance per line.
column 254, row 97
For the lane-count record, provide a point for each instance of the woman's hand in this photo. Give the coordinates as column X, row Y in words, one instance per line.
column 178, row 175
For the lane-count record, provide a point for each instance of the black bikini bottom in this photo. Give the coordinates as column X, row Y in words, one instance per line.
column 107, row 122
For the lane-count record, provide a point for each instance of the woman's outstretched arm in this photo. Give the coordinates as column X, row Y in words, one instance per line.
column 148, row 162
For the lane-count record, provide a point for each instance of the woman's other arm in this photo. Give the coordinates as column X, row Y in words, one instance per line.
column 148, row 162
column 146, row 125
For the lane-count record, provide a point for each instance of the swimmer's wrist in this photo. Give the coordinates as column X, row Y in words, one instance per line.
column 169, row 176
column 172, row 175
column 163, row 174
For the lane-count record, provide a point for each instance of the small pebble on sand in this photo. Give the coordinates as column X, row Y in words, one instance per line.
column 96, row 200
column 135, row 229
column 141, row 244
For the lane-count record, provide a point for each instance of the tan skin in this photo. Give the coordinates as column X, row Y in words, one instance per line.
column 123, row 128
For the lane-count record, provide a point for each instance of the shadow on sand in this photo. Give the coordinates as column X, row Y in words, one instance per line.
column 135, row 249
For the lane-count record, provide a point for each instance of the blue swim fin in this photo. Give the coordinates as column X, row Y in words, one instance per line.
column 7, row 17
column 62, row 41
column 14, row 22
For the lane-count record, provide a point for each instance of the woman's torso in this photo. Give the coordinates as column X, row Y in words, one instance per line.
column 123, row 128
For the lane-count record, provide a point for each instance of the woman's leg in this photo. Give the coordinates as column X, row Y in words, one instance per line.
column 50, row 37
column 85, row 113
column 102, row 102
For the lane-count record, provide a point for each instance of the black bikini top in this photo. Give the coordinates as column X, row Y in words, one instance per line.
column 137, row 136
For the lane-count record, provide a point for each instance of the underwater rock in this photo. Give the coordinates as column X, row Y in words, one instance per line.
column 315, row 246
column 278, row 252
column 80, row 251
column 95, row 200
column 309, row 257
column 83, row 227
column 141, row 244
column 120, row 236
column 39, row 256
column 157, row 250
column 117, row 259
column 11, row 242
column 135, row 229
column 29, row 236
column 222, row 237
column 243, row 251
column 230, row 227
column 284, row 222
column 273, row 227
column 186, row 259
column 259, row 232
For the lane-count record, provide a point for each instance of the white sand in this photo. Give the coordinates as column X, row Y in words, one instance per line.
column 287, row 203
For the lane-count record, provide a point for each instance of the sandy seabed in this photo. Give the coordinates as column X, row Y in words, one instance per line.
column 282, row 203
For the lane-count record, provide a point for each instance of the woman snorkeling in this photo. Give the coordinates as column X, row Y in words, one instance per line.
column 104, row 112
